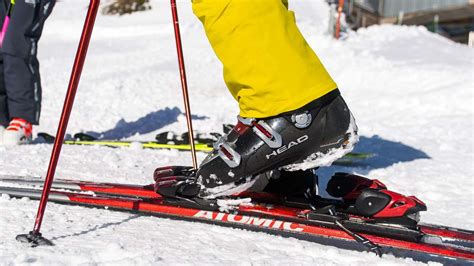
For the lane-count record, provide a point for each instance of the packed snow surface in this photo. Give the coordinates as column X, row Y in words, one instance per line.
column 411, row 93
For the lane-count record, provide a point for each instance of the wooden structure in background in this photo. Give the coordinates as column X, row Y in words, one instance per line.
column 451, row 18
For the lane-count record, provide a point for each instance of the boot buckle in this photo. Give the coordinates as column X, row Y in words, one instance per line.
column 231, row 157
column 267, row 134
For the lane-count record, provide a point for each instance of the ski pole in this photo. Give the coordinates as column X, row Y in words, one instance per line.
column 338, row 22
column 184, row 84
column 34, row 237
column 6, row 22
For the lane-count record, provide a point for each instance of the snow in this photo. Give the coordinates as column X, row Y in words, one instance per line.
column 411, row 93
column 226, row 205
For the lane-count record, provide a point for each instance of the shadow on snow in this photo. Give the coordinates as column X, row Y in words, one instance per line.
column 386, row 153
column 149, row 123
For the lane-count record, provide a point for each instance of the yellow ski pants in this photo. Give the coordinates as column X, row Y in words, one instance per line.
column 268, row 66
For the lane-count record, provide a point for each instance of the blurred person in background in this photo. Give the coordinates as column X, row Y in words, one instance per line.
column 20, row 83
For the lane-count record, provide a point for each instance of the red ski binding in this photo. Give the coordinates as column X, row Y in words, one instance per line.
column 371, row 198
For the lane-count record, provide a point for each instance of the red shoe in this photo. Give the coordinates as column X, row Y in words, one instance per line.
column 18, row 132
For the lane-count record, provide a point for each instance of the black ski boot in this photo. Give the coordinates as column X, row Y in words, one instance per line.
column 312, row 136
column 294, row 184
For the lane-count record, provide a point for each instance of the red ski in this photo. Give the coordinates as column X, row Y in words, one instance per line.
column 146, row 191
column 424, row 244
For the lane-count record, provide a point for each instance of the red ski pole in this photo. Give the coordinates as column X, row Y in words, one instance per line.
column 34, row 237
column 184, row 84
column 338, row 22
